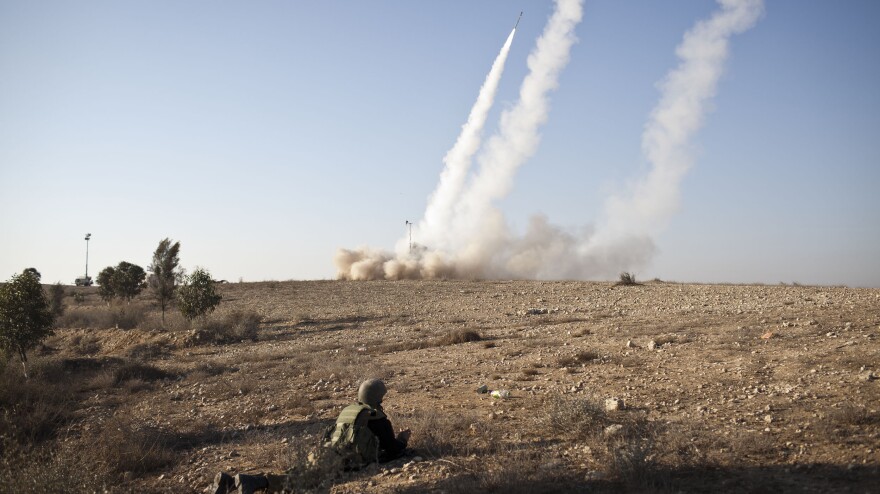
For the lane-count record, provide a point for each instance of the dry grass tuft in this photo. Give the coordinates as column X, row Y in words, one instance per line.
column 234, row 327
column 458, row 336
column 139, row 371
column 440, row 434
column 627, row 279
column 85, row 345
column 120, row 317
column 149, row 350
column 32, row 410
column 579, row 358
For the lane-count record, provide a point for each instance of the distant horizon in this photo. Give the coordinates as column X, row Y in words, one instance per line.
column 497, row 280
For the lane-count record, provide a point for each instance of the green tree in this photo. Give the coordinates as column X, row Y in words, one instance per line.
column 105, row 283
column 128, row 280
column 165, row 273
column 198, row 295
column 25, row 318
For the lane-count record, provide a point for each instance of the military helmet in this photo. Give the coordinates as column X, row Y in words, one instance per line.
column 371, row 392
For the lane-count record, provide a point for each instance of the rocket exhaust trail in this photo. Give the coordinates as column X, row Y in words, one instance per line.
column 436, row 222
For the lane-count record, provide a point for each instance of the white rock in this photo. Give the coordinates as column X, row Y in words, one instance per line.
column 612, row 404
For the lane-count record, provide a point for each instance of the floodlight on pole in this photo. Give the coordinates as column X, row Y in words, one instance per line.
column 409, row 224
column 88, row 236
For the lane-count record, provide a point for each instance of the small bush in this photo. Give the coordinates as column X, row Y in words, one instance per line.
column 198, row 296
column 310, row 469
column 148, row 351
column 211, row 369
column 123, row 317
column 132, row 448
column 138, row 370
column 439, row 434
column 577, row 359
column 128, row 317
column 96, row 318
column 459, row 336
column 59, row 468
column 580, row 418
column 85, row 345
column 236, row 326
column 56, row 300
column 31, row 410
column 627, row 279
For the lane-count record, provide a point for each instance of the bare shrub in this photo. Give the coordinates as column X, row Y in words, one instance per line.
column 627, row 279
column 234, row 327
column 174, row 321
column 59, row 468
column 311, row 469
column 841, row 421
column 745, row 444
column 458, row 336
column 515, row 471
column 138, row 370
column 86, row 318
column 439, row 434
column 124, row 447
column 628, row 453
column 85, row 345
column 579, row 418
column 581, row 357
column 56, row 299
column 148, row 350
column 122, row 317
column 31, row 410
column 211, row 369
column 128, row 316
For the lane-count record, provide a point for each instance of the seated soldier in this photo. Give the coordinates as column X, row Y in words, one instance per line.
column 362, row 435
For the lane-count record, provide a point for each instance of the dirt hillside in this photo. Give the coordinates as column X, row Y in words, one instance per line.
column 656, row 387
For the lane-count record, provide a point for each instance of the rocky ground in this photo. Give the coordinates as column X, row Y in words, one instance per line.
column 707, row 387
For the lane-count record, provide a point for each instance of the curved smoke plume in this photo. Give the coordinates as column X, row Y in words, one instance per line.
column 466, row 235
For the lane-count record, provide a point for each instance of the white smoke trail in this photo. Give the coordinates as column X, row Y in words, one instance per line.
column 435, row 225
column 465, row 234
column 518, row 136
column 478, row 243
column 687, row 92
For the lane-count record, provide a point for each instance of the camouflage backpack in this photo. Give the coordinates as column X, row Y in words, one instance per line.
column 352, row 438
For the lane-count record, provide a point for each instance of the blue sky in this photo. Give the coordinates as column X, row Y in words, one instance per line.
column 265, row 135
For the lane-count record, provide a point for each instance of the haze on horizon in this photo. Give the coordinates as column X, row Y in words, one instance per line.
column 263, row 137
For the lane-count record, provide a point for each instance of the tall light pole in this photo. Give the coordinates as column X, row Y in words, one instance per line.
column 409, row 224
column 88, row 236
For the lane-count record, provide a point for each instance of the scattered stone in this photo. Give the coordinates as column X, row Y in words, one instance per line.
column 867, row 376
column 483, row 389
column 768, row 418
column 630, row 344
column 535, row 311
column 613, row 404
column 652, row 345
